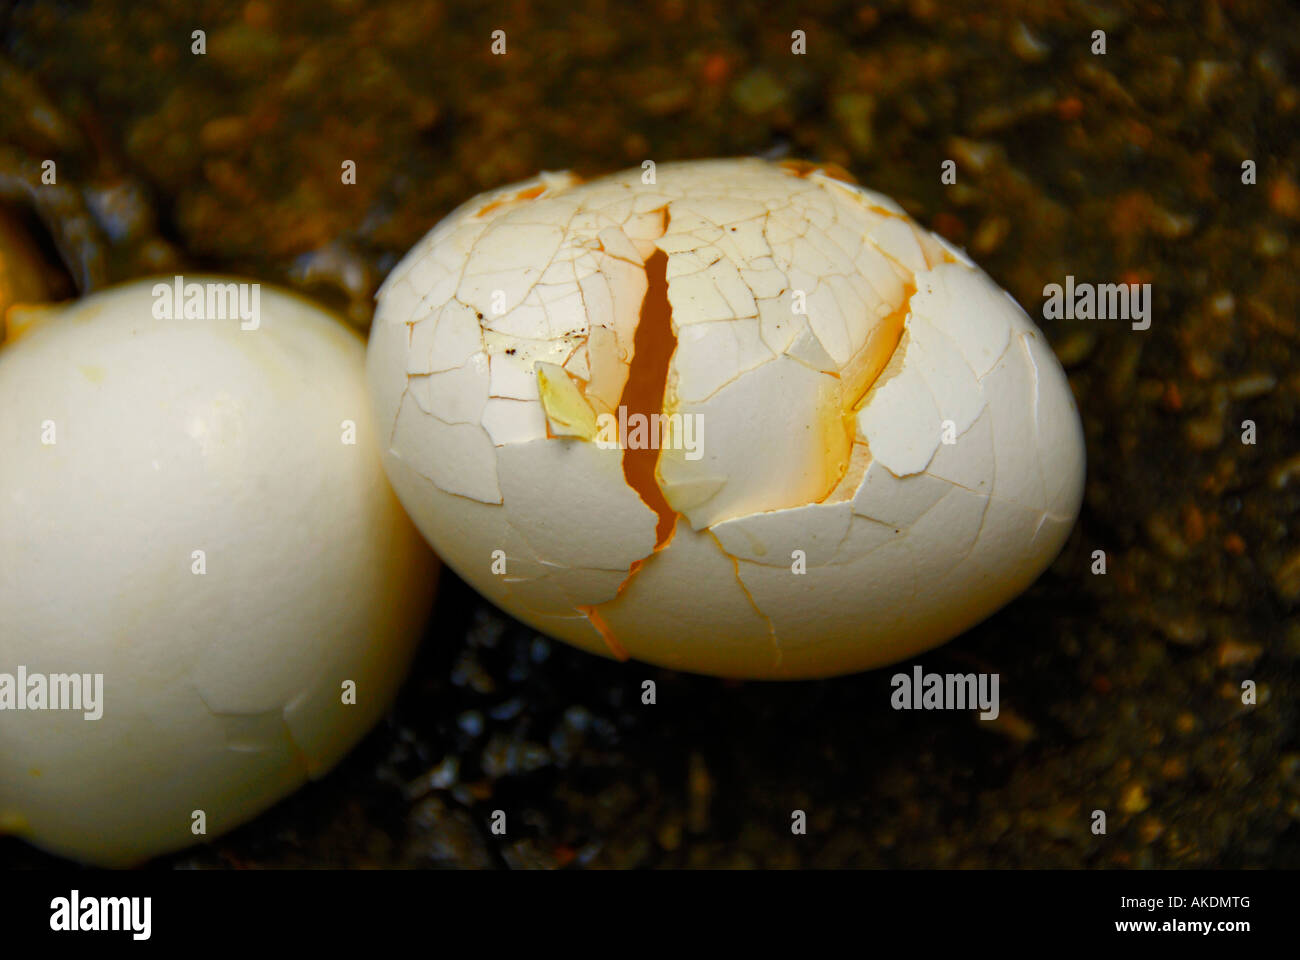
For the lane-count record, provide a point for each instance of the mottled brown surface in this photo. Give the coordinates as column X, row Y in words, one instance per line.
column 1120, row 692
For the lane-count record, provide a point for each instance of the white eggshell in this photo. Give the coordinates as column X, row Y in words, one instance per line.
column 222, row 690
column 889, row 451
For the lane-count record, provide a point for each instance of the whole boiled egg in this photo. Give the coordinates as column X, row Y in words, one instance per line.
column 731, row 416
column 208, row 591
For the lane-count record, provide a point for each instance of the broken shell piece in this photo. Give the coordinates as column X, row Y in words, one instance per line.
column 208, row 592
column 737, row 417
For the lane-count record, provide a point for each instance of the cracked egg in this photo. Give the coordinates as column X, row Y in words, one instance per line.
column 731, row 417
column 183, row 515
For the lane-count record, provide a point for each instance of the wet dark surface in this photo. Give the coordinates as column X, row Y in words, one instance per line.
column 1119, row 692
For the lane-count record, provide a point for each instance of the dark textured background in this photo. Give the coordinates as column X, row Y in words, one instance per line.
column 1120, row 692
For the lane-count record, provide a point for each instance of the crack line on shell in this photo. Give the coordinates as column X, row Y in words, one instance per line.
column 606, row 633
column 451, row 493
column 392, row 434
column 222, row 717
column 778, row 653
column 1038, row 463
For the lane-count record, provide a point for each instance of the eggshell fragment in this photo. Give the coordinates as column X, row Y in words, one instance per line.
column 184, row 512
column 864, row 446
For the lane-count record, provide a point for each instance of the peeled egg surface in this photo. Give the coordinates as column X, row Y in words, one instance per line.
column 865, row 445
column 183, row 513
